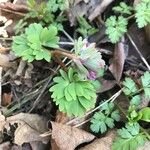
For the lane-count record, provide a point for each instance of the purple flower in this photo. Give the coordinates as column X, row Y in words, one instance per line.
column 91, row 75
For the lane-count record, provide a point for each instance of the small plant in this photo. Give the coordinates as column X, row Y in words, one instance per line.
column 44, row 12
column 72, row 94
column 85, row 29
column 89, row 60
column 32, row 44
column 117, row 26
column 132, row 135
column 105, row 118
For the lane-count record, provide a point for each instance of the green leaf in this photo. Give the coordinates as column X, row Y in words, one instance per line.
column 71, row 90
column 129, row 86
column 34, row 39
column 145, row 113
column 129, row 131
column 146, row 83
column 85, row 29
column 142, row 14
column 129, row 144
column 123, row 8
column 68, row 93
column 129, row 138
column 116, row 27
column 136, row 100
column 115, row 115
column 101, row 121
column 70, row 74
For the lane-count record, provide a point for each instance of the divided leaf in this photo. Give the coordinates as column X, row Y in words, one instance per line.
column 116, row 27
column 103, row 120
column 129, row 138
column 143, row 13
column 129, row 86
column 30, row 45
column 73, row 95
column 123, row 8
column 146, row 83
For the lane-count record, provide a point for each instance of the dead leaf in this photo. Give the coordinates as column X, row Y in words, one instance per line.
column 68, row 138
column 6, row 99
column 106, row 85
column 5, row 146
column 119, row 57
column 30, row 126
column 102, row 143
column 61, row 117
column 99, row 9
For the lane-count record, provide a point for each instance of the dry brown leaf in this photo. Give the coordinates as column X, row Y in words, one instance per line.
column 5, row 146
column 68, row 138
column 26, row 134
column 6, row 99
column 30, row 126
column 99, row 9
column 102, row 143
column 61, row 117
column 106, row 85
column 119, row 57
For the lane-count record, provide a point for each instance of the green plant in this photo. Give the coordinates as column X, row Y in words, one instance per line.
column 72, row 94
column 44, row 13
column 32, row 44
column 89, row 60
column 130, row 138
column 85, row 29
column 117, row 26
column 132, row 135
column 104, row 119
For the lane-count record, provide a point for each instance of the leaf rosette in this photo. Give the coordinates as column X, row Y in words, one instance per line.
column 32, row 44
column 72, row 94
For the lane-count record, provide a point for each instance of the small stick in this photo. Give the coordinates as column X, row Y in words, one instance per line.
column 142, row 57
column 67, row 35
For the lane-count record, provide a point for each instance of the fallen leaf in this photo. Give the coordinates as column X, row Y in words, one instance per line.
column 6, row 99
column 5, row 146
column 102, row 143
column 99, row 9
column 106, row 85
column 61, row 117
column 68, row 138
column 119, row 57
column 29, row 128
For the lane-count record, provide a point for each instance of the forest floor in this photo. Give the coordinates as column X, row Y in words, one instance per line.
column 59, row 91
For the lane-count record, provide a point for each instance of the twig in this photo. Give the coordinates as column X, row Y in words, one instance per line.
column 41, row 93
column 67, row 35
column 13, row 12
column 66, row 43
column 143, row 59
column 98, row 107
